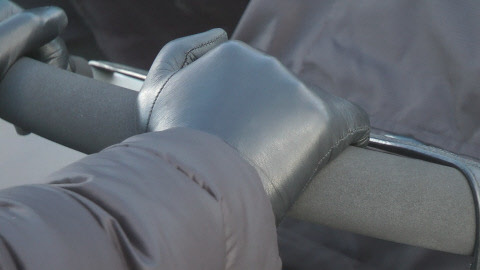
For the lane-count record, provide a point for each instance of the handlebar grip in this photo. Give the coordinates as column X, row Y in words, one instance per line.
column 394, row 198
column 81, row 113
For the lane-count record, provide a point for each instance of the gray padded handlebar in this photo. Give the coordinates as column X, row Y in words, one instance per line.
column 76, row 111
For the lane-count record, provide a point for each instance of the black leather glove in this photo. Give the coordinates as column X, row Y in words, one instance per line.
column 26, row 32
column 29, row 31
column 280, row 126
column 54, row 52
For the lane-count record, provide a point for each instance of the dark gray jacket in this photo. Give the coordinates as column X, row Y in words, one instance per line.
column 176, row 199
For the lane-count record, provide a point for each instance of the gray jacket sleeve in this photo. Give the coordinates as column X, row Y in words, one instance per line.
column 176, row 199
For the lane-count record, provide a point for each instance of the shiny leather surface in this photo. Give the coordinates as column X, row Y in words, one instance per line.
column 173, row 57
column 23, row 32
column 54, row 53
column 7, row 9
column 286, row 130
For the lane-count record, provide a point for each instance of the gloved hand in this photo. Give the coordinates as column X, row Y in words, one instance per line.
column 54, row 53
column 251, row 101
column 26, row 32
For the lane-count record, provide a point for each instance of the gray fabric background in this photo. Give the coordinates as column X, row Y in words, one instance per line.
column 413, row 65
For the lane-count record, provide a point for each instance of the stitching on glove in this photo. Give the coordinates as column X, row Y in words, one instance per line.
column 346, row 136
column 168, row 79
column 198, row 47
column 155, row 100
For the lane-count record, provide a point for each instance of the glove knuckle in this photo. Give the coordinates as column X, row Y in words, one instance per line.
column 230, row 47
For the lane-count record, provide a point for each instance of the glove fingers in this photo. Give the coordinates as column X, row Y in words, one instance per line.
column 54, row 53
column 353, row 128
column 27, row 31
column 174, row 56
column 183, row 51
